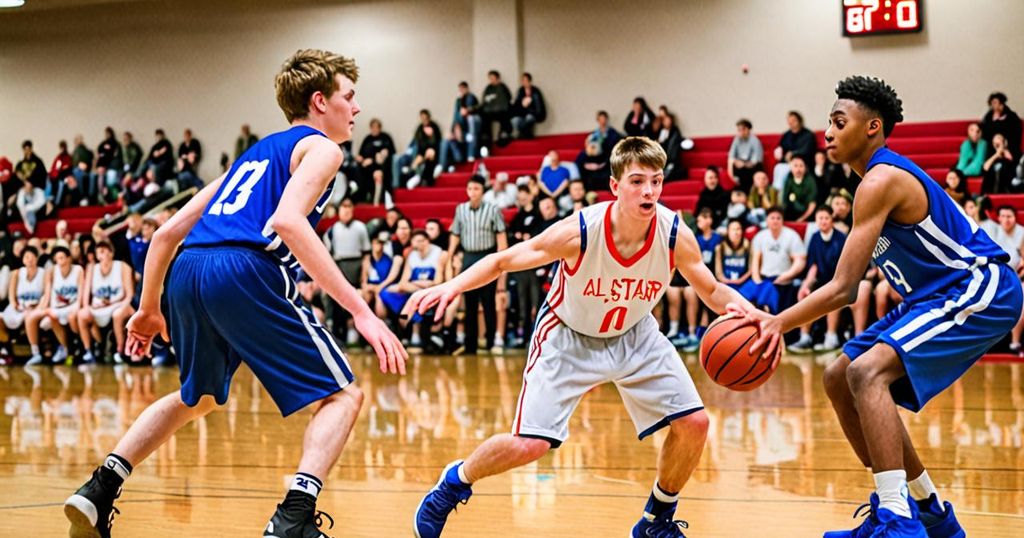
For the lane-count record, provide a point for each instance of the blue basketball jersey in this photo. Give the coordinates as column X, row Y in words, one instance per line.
column 379, row 269
column 735, row 263
column 707, row 247
column 241, row 210
column 942, row 250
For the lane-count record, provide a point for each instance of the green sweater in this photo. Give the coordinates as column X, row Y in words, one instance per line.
column 972, row 157
column 797, row 197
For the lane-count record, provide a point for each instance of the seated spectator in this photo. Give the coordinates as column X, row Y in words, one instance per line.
column 401, row 240
column 528, row 108
column 401, row 167
column 593, row 166
column 746, row 155
column 32, row 205
column 81, row 166
column 25, row 291
column 999, row 168
column 973, row 152
column 375, row 157
column 737, row 210
column 495, row 108
column 428, row 151
column 822, row 259
column 1000, row 119
column 799, row 197
column 554, row 177
column 58, row 308
column 956, row 186
column 348, row 241
column 379, row 272
column 548, row 213
column 131, row 153
column 190, row 153
column 762, row 197
column 605, row 135
column 108, row 286
column 190, row 145
column 778, row 256
column 574, row 199
column 696, row 312
column 467, row 116
column 453, row 149
column 436, row 233
column 60, row 170
column 842, row 211
column 245, row 141
column 732, row 257
column 713, row 196
column 424, row 267
column 639, row 119
column 832, row 177
column 31, row 168
column 671, row 138
column 797, row 141
column 1010, row 237
column 109, row 167
column 160, row 159
column 502, row 193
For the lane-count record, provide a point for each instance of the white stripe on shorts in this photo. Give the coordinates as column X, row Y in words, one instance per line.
column 936, row 313
column 318, row 341
column 961, row 316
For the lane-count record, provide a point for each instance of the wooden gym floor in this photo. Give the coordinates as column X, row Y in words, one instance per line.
column 776, row 463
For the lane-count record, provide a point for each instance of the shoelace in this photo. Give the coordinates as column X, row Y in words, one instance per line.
column 661, row 525
column 450, row 498
column 318, row 519
column 110, row 518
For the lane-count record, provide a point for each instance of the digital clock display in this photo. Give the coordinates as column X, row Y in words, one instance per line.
column 869, row 17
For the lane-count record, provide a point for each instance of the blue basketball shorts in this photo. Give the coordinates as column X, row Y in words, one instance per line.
column 938, row 339
column 229, row 305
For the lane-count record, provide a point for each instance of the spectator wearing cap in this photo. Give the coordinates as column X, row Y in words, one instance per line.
column 479, row 228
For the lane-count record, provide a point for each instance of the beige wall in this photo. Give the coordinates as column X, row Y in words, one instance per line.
column 209, row 65
column 687, row 54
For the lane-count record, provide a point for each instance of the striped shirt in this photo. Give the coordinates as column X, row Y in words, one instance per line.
column 478, row 227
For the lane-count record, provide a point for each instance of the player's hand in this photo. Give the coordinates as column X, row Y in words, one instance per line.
column 389, row 349
column 423, row 300
column 769, row 344
column 142, row 328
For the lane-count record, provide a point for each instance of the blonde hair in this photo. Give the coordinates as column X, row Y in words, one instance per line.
column 309, row 71
column 637, row 150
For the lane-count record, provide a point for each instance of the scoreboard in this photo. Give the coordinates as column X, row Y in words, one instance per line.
column 870, row 17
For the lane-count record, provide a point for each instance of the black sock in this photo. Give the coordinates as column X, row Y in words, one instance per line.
column 115, row 470
column 303, row 493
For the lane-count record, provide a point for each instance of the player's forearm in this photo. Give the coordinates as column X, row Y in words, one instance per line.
column 158, row 259
column 721, row 296
column 832, row 296
column 302, row 240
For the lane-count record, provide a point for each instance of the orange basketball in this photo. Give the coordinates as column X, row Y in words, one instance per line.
column 725, row 354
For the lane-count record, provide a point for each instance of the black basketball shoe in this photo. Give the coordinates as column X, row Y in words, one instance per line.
column 297, row 517
column 91, row 509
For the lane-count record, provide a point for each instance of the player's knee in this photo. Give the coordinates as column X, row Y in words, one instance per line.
column 861, row 375
column 356, row 394
column 530, row 449
column 692, row 425
column 835, row 377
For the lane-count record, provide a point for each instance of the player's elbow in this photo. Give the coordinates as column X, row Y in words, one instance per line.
column 287, row 226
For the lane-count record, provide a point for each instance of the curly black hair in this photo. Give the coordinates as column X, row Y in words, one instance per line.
column 876, row 95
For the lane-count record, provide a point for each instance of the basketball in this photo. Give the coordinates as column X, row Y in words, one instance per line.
column 725, row 354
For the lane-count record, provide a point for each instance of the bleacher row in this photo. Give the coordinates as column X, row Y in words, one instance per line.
column 934, row 146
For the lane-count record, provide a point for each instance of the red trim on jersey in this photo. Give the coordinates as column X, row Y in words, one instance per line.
column 519, row 411
column 576, row 266
column 609, row 240
column 548, row 325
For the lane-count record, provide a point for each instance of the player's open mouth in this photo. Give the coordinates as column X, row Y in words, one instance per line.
column 647, row 206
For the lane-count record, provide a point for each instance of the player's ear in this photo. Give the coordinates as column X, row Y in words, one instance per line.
column 613, row 185
column 874, row 126
column 318, row 102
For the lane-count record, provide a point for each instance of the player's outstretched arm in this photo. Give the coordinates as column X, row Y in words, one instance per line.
column 318, row 165
column 716, row 295
column 149, row 321
column 561, row 241
column 874, row 201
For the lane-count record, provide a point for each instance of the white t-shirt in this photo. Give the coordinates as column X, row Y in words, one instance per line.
column 1010, row 242
column 776, row 254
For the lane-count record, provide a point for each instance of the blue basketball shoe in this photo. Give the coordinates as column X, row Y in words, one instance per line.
column 447, row 494
column 891, row 525
column 659, row 526
column 939, row 520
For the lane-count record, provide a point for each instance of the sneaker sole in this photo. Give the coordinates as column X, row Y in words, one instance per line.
column 415, row 527
column 81, row 512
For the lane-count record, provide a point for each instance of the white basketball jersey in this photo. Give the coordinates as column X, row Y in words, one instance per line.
column 424, row 267
column 64, row 291
column 605, row 294
column 108, row 288
column 29, row 292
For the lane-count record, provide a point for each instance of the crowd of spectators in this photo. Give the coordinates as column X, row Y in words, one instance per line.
column 745, row 220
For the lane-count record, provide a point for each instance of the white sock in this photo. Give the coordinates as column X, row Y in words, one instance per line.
column 673, row 327
column 462, row 474
column 307, row 483
column 922, row 487
column 35, row 349
column 661, row 496
column 892, row 492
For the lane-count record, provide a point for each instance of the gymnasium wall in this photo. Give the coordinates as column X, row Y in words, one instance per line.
column 209, row 65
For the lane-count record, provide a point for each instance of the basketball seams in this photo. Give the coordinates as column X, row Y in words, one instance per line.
column 735, row 352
